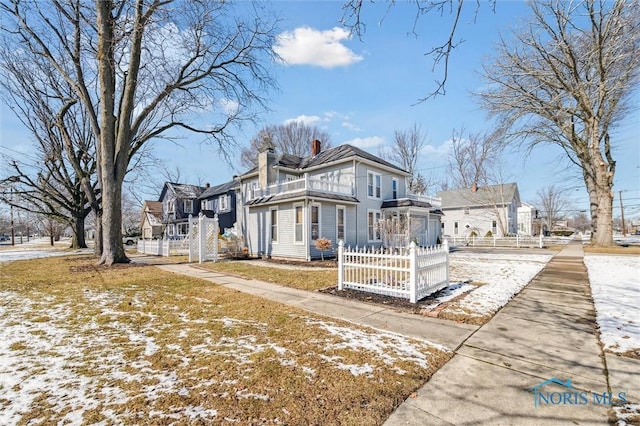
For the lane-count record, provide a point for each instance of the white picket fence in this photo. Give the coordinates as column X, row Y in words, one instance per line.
column 164, row 247
column 412, row 273
column 518, row 241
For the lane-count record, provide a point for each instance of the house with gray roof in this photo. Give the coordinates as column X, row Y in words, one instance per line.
column 221, row 200
column 342, row 193
column 178, row 202
column 481, row 210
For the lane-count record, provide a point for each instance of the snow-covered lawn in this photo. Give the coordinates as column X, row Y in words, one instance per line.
column 498, row 278
column 615, row 286
column 136, row 345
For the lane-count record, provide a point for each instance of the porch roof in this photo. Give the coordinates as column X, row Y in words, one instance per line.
column 414, row 205
column 270, row 199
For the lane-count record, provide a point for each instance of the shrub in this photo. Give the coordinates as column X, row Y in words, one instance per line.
column 323, row 244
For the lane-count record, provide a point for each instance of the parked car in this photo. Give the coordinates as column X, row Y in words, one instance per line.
column 4, row 238
column 129, row 240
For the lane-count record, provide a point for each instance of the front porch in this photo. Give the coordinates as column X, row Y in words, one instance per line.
column 408, row 220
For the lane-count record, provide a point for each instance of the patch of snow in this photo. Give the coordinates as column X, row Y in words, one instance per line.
column 626, row 412
column 615, row 288
column 501, row 275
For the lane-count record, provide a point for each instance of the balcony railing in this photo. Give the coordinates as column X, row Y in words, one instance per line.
column 435, row 202
column 304, row 184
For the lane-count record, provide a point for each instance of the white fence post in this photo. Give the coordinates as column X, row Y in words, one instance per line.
column 201, row 237
column 340, row 264
column 445, row 248
column 190, row 237
column 216, row 232
column 413, row 273
column 540, row 244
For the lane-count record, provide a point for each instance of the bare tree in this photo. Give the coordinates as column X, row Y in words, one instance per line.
column 405, row 152
column 140, row 68
column 352, row 19
column 59, row 180
column 473, row 157
column 566, row 79
column 553, row 201
column 291, row 138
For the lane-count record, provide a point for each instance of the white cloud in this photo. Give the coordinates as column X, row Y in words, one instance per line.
column 366, row 143
column 351, row 126
column 229, row 106
column 304, row 119
column 437, row 152
column 308, row 46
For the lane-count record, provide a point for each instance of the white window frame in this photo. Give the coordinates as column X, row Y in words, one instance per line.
column 272, row 225
column 183, row 228
column 311, row 207
column 298, row 226
column 456, row 228
column 394, row 188
column 344, row 220
column 224, row 203
column 371, row 229
column 190, row 204
column 374, row 183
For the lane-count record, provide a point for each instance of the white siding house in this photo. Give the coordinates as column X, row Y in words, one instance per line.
column 526, row 216
column 481, row 210
column 342, row 193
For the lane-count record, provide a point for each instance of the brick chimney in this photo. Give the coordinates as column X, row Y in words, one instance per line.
column 474, row 187
column 266, row 174
column 315, row 147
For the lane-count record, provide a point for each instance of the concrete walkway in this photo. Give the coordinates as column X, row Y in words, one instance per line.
column 446, row 333
column 547, row 331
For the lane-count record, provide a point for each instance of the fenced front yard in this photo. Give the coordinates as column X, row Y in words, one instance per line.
column 164, row 247
column 412, row 273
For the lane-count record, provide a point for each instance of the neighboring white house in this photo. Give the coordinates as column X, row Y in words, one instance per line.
column 480, row 210
column 343, row 193
column 151, row 223
column 526, row 216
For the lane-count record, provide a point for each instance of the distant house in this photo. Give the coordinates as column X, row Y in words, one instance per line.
column 178, row 202
column 151, row 223
column 221, row 200
column 480, row 210
column 527, row 214
column 342, row 193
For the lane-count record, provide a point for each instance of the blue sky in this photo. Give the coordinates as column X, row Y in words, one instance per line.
column 362, row 90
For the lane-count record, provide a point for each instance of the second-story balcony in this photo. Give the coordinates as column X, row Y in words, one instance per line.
column 435, row 202
column 301, row 185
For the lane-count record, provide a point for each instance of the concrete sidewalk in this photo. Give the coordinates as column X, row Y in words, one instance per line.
column 547, row 331
column 446, row 333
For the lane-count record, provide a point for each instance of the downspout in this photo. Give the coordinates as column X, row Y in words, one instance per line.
column 355, row 194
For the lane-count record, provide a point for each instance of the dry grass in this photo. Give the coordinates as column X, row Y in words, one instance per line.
column 135, row 345
column 303, row 280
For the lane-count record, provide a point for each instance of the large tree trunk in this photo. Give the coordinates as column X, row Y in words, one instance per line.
column 97, row 238
column 602, row 234
column 599, row 180
column 110, row 164
column 112, row 249
column 77, row 227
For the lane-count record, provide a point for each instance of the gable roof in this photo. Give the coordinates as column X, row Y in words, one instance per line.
column 501, row 194
column 152, row 206
column 223, row 188
column 339, row 153
column 181, row 190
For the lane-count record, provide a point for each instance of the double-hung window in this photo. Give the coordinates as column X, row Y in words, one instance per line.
column 340, row 216
column 299, row 224
column 223, row 203
column 373, row 184
column 373, row 217
column 188, row 206
column 315, row 221
column 394, row 189
column 274, row 225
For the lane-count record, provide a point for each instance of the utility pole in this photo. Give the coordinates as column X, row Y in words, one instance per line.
column 13, row 231
column 624, row 229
